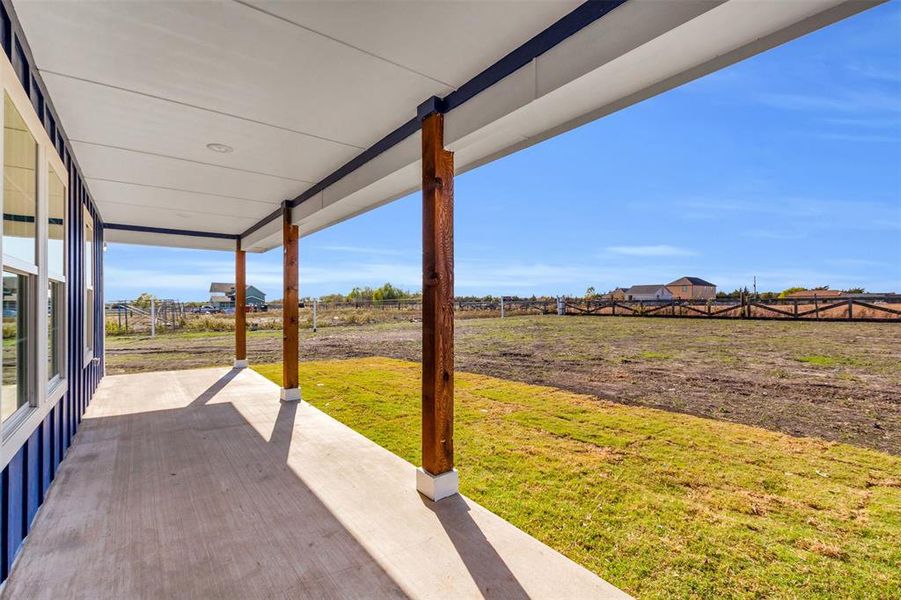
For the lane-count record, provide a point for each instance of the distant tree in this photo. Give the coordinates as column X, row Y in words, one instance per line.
column 381, row 294
column 331, row 298
column 857, row 290
column 784, row 293
column 143, row 301
column 590, row 292
column 389, row 292
column 360, row 294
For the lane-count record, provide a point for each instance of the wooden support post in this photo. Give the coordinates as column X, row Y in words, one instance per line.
column 240, row 307
column 850, row 309
column 437, row 478
column 290, row 308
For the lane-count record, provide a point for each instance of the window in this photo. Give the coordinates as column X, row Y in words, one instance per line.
column 56, row 227
column 20, row 197
column 33, row 250
column 20, row 269
column 17, row 344
column 56, row 279
column 88, row 283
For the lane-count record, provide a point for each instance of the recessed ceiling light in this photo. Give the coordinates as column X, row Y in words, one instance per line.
column 221, row 148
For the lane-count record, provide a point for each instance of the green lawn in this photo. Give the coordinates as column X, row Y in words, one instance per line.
column 660, row 504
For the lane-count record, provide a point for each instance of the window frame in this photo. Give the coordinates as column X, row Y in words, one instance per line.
column 16, row 430
column 88, row 315
column 53, row 278
column 9, row 424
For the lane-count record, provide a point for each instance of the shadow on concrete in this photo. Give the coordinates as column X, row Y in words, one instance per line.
column 488, row 570
column 207, row 509
column 220, row 384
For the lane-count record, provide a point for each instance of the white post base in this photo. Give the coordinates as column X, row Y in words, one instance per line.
column 290, row 395
column 437, row 487
column 241, row 363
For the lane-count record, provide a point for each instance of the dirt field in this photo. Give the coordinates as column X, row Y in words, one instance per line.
column 837, row 381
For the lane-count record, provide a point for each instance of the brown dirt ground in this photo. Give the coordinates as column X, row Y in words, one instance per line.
column 837, row 381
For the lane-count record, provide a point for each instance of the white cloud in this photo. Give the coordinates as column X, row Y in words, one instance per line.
column 658, row 250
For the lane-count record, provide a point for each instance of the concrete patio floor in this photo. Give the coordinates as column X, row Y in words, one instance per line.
column 201, row 484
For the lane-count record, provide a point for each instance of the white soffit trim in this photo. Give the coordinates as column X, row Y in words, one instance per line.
column 300, row 89
column 638, row 50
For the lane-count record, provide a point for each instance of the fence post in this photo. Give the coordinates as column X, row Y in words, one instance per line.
column 816, row 307
column 561, row 306
column 315, row 305
column 850, row 309
column 502, row 307
column 152, row 317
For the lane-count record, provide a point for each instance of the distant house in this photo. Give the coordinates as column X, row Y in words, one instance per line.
column 222, row 295
column 657, row 291
column 692, row 288
column 617, row 294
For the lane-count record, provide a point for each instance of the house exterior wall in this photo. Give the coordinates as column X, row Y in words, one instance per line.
column 255, row 297
column 692, row 292
column 33, row 451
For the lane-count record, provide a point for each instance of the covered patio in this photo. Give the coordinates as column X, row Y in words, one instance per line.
column 202, row 484
column 243, row 127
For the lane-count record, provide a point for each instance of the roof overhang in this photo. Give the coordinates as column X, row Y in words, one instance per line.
column 319, row 100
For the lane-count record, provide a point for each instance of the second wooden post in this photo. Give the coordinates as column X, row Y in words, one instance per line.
column 240, row 308
column 290, row 308
column 437, row 478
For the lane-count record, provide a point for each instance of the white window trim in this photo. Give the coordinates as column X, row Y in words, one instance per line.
column 88, row 285
column 14, row 433
column 58, row 381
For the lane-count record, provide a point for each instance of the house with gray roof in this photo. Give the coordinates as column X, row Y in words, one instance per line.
column 222, row 295
column 656, row 291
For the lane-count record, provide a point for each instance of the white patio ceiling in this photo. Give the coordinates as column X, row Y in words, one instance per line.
column 300, row 88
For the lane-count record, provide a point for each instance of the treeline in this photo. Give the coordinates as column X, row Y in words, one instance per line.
column 783, row 294
column 389, row 292
column 376, row 295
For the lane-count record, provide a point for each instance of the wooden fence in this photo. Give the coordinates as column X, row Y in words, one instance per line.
column 850, row 308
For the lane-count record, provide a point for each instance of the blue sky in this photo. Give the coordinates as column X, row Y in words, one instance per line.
column 786, row 166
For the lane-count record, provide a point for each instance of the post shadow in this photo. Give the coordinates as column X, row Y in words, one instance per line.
column 488, row 570
column 219, row 385
column 212, row 502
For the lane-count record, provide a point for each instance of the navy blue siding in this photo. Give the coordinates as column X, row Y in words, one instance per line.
column 26, row 480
